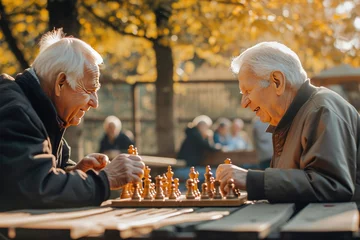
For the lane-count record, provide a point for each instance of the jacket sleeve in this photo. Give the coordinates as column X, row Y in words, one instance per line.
column 327, row 168
column 28, row 176
column 66, row 153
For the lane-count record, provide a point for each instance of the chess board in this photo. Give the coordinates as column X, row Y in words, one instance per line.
column 180, row 202
column 165, row 191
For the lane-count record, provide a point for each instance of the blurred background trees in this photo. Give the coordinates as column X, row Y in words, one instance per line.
column 165, row 41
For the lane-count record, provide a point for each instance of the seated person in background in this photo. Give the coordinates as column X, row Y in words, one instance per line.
column 316, row 133
column 239, row 139
column 221, row 133
column 263, row 143
column 197, row 141
column 35, row 109
column 114, row 140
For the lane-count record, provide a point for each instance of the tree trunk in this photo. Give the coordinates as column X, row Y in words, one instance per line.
column 10, row 39
column 164, row 100
column 63, row 14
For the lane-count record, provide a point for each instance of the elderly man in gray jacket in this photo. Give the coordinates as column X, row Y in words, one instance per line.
column 316, row 133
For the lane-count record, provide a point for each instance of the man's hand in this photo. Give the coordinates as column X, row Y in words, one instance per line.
column 96, row 161
column 226, row 171
column 124, row 169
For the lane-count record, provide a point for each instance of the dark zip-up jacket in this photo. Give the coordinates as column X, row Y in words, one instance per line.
column 33, row 153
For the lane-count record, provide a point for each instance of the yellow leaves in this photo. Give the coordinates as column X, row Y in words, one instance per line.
column 131, row 28
column 143, row 65
column 212, row 40
column 189, row 67
column 338, row 16
column 44, row 15
column 20, row 27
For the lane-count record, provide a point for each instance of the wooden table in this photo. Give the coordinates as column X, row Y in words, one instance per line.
column 251, row 221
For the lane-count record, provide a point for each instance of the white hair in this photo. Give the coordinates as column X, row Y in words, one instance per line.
column 266, row 57
column 202, row 118
column 115, row 120
column 64, row 54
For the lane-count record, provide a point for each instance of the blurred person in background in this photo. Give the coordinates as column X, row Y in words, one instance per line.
column 114, row 141
column 222, row 132
column 263, row 143
column 239, row 139
column 197, row 141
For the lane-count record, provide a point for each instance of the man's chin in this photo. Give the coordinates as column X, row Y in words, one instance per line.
column 75, row 121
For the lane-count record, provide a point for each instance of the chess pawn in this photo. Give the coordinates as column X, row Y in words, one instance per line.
column 136, row 195
column 190, row 189
column 231, row 192
column 204, row 191
column 217, row 194
column 159, row 191
column 192, row 175
column 177, row 191
column 125, row 192
column 172, row 192
column 227, row 161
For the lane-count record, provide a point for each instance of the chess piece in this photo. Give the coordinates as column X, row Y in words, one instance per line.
column 152, row 189
column 147, row 195
column 192, row 175
column 204, row 191
column 136, row 195
column 158, row 185
column 217, row 194
column 177, row 191
column 237, row 192
column 227, row 161
column 212, row 189
column 165, row 185
column 125, row 192
column 208, row 174
column 231, row 192
column 172, row 194
column 190, row 189
column 131, row 150
column 169, row 177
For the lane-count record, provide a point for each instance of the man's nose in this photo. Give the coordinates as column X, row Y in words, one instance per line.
column 245, row 101
column 94, row 101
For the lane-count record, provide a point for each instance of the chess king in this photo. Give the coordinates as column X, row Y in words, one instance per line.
column 35, row 109
column 316, row 133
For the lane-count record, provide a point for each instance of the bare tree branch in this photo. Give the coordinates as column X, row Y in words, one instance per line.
column 10, row 39
column 111, row 25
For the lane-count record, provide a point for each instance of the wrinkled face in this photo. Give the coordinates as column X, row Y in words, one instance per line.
column 261, row 100
column 72, row 104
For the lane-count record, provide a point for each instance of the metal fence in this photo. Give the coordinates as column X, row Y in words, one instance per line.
column 213, row 98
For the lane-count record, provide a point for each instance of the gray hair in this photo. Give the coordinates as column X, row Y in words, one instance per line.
column 64, row 54
column 266, row 57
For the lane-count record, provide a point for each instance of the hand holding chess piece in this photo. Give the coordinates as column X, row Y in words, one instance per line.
column 224, row 172
column 124, row 169
column 95, row 161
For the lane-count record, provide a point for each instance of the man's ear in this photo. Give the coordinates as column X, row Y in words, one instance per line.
column 277, row 79
column 59, row 83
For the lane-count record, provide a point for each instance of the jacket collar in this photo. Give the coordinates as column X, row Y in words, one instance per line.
column 303, row 95
column 42, row 106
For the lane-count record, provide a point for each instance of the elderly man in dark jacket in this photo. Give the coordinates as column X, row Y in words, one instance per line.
column 35, row 110
column 316, row 133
